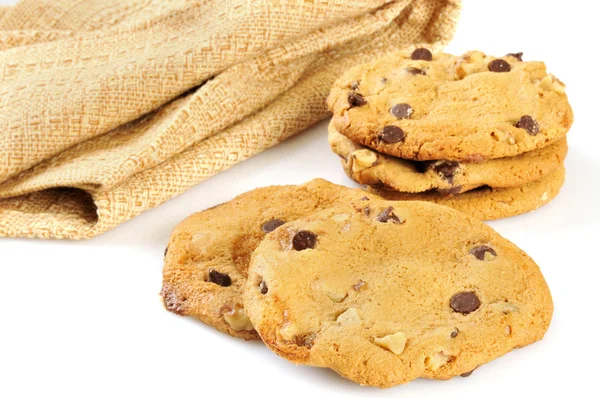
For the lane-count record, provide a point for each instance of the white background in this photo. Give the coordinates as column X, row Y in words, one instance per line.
column 85, row 318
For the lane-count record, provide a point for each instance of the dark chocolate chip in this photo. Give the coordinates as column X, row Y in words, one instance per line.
column 367, row 210
column 446, row 169
column 166, row 250
column 527, row 123
column 354, row 85
column 401, row 111
column 518, row 56
column 454, row 333
column 270, row 225
column 219, row 278
column 467, row 374
column 304, row 240
column 421, row 54
column 263, row 287
column 499, row 65
column 364, row 198
column 479, row 252
column 388, row 216
column 384, row 80
column 450, row 191
column 415, row 71
column 391, row 134
column 465, row 302
column 356, row 99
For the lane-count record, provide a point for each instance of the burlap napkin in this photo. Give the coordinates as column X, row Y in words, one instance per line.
column 111, row 107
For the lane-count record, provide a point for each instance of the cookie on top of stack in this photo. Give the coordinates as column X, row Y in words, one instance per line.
column 482, row 134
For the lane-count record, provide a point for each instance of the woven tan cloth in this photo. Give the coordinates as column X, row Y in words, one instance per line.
column 111, row 107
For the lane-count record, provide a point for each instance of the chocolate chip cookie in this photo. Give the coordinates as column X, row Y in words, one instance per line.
column 207, row 258
column 367, row 166
column 487, row 203
column 424, row 106
column 385, row 292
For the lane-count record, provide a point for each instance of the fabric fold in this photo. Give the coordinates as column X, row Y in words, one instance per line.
column 104, row 118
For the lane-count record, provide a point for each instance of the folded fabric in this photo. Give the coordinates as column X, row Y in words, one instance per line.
column 111, row 107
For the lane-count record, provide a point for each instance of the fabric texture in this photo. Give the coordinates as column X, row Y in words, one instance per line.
column 111, row 107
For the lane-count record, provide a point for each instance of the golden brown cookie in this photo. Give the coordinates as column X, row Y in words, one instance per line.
column 208, row 255
column 491, row 203
column 385, row 292
column 369, row 167
column 424, row 106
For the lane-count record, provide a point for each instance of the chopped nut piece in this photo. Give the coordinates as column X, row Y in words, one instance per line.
column 363, row 159
column 350, row 316
column 341, row 217
column 551, row 83
column 237, row 319
column 437, row 360
column 337, row 297
column 394, row 342
column 470, row 63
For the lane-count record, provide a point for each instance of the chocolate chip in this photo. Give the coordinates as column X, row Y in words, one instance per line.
column 527, row 123
column 479, row 252
column 270, row 225
column 219, row 278
column 384, row 80
column 499, row 65
column 172, row 301
column 391, row 134
column 464, row 302
column 356, row 99
column 359, row 285
column 367, row 210
column 518, row 56
column 364, row 198
column 388, row 216
column 166, row 250
column 263, row 287
column 305, row 340
column 304, row 240
column 467, row 374
column 421, row 54
column 354, row 85
column 446, row 169
column 450, row 191
column 415, row 71
column 454, row 333
column 401, row 111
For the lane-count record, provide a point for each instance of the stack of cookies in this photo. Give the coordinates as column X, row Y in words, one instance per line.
column 382, row 292
column 481, row 134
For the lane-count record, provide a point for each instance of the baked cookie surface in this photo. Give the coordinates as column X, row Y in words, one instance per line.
column 440, row 106
column 208, row 255
column 385, row 292
column 487, row 203
column 366, row 166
